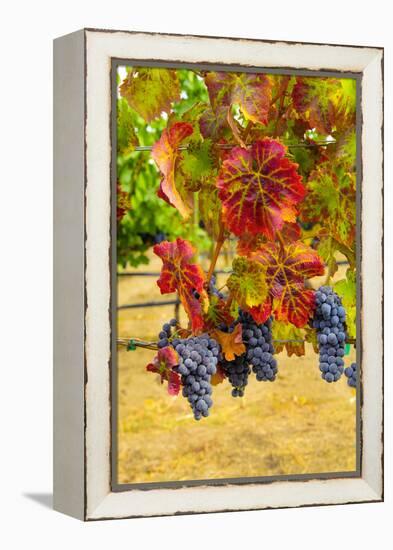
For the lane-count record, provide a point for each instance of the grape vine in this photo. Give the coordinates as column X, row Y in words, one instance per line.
column 266, row 162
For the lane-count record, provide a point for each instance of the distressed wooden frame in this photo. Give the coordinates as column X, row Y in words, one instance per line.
column 82, row 243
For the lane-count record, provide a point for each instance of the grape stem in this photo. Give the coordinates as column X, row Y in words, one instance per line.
column 216, row 253
column 329, row 274
column 153, row 345
column 281, row 105
column 247, row 130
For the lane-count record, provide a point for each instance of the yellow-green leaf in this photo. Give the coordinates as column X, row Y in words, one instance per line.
column 126, row 136
column 150, row 91
column 286, row 335
column 247, row 283
column 346, row 289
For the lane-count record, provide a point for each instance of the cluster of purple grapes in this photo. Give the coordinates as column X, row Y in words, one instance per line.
column 329, row 322
column 237, row 372
column 259, row 347
column 258, row 355
column 238, row 369
column 198, row 358
column 198, row 362
column 352, row 375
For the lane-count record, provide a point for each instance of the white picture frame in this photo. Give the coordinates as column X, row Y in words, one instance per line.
column 83, row 342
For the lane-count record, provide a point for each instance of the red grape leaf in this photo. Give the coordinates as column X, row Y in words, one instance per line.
column 259, row 188
column 295, row 305
column 150, row 91
column 213, row 124
column 248, row 243
column 291, row 231
column 163, row 364
column 312, row 103
column 261, row 313
column 165, row 152
column 179, row 275
column 324, row 103
column 231, row 342
column 123, row 203
column 287, row 267
column 252, row 92
column 247, row 283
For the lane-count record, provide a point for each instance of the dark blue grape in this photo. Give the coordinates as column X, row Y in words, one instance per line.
column 197, row 364
column 237, row 372
column 258, row 356
column 329, row 322
column 352, row 375
column 259, row 349
column 163, row 343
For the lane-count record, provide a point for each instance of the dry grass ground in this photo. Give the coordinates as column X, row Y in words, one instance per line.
column 298, row 424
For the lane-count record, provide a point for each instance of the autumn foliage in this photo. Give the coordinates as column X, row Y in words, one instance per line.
column 270, row 162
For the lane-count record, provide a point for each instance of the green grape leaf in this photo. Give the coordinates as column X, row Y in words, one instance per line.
column 331, row 200
column 247, row 283
column 126, row 136
column 346, row 289
column 197, row 163
column 288, row 337
column 150, row 91
column 217, row 312
column 326, row 249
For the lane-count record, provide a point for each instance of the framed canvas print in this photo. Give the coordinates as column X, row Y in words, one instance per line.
column 218, row 274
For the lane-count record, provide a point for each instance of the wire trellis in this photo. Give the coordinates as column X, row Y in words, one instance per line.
column 231, row 145
column 133, row 343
